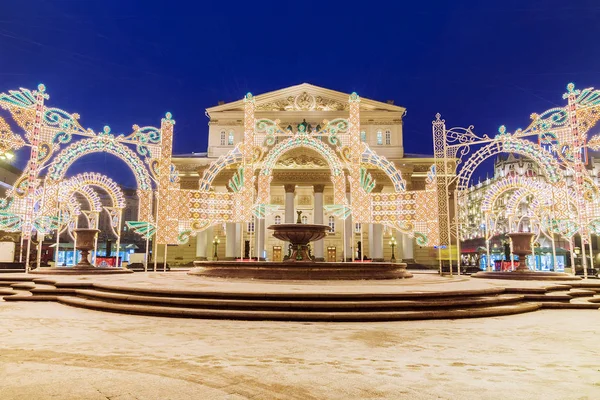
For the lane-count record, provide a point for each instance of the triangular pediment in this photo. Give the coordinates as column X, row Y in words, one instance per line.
column 305, row 97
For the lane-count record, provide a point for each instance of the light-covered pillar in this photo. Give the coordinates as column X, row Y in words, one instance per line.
column 238, row 239
column 289, row 203
column 201, row 246
column 230, row 238
column 376, row 247
column 349, row 239
column 319, row 245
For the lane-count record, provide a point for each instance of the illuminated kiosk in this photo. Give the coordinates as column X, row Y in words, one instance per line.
column 521, row 246
column 86, row 239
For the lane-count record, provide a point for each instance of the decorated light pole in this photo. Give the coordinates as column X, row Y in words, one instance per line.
column 392, row 244
column 216, row 242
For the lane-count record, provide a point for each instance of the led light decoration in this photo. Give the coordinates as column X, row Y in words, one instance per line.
column 556, row 140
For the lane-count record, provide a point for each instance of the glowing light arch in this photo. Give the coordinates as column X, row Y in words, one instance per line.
column 303, row 141
column 100, row 144
column 497, row 189
column 87, row 179
column 543, row 158
column 372, row 158
column 234, row 156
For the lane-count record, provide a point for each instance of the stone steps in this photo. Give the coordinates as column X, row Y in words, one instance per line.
column 326, row 305
column 352, row 316
column 301, row 304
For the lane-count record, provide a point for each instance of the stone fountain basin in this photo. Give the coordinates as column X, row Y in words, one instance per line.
column 299, row 234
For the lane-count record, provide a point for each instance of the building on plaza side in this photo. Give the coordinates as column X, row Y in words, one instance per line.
column 301, row 178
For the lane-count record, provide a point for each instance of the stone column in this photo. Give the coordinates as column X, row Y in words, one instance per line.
column 349, row 243
column 289, row 203
column 407, row 248
column 377, row 246
column 230, row 232
column 260, row 236
column 201, row 246
column 210, row 235
column 319, row 245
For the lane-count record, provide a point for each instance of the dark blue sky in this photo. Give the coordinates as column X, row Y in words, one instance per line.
column 121, row 62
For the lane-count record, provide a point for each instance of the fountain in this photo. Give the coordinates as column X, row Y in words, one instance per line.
column 521, row 246
column 85, row 243
column 300, row 266
column 299, row 235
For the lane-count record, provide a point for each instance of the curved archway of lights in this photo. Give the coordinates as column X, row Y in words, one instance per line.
column 543, row 158
column 232, row 157
column 497, row 189
column 276, row 152
column 382, row 163
column 87, row 179
column 335, row 165
column 100, row 144
column 517, row 198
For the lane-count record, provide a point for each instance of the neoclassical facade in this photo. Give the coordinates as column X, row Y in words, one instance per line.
column 301, row 178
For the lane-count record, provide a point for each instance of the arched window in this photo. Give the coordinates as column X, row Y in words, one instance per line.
column 304, row 219
column 379, row 138
column 250, row 227
column 223, row 138
column 331, row 224
column 357, row 227
column 363, row 136
column 230, row 139
column 277, row 219
column 388, row 137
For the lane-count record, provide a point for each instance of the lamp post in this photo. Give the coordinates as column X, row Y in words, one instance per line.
column 216, row 242
column 392, row 244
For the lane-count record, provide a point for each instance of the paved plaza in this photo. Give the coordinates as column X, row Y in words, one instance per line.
column 51, row 351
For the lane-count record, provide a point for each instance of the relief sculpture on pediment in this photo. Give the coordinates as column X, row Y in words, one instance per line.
column 303, row 102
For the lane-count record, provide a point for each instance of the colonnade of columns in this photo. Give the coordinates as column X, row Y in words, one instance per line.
column 234, row 248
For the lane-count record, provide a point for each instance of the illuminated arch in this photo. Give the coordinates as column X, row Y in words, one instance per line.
column 546, row 161
column 100, row 144
column 305, row 141
column 497, row 189
column 336, row 167
column 81, row 181
column 372, row 158
column 232, row 157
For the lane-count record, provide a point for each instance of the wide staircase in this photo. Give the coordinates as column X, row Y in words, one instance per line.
column 298, row 306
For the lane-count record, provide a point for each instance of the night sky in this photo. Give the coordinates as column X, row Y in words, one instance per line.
column 119, row 62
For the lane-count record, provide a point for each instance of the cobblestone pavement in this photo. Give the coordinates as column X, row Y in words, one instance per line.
column 51, row 351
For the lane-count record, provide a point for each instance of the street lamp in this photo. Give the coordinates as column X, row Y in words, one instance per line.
column 392, row 243
column 216, row 242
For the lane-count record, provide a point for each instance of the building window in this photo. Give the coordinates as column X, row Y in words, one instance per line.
column 388, row 137
column 277, row 219
column 363, row 136
column 357, row 227
column 223, row 138
column 331, row 224
column 250, row 227
column 230, row 139
column 379, row 138
column 304, row 219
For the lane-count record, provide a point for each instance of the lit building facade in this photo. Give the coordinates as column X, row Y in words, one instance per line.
column 302, row 180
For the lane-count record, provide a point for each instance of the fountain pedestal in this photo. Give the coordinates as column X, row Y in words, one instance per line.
column 521, row 244
column 300, row 266
column 299, row 235
column 85, row 243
